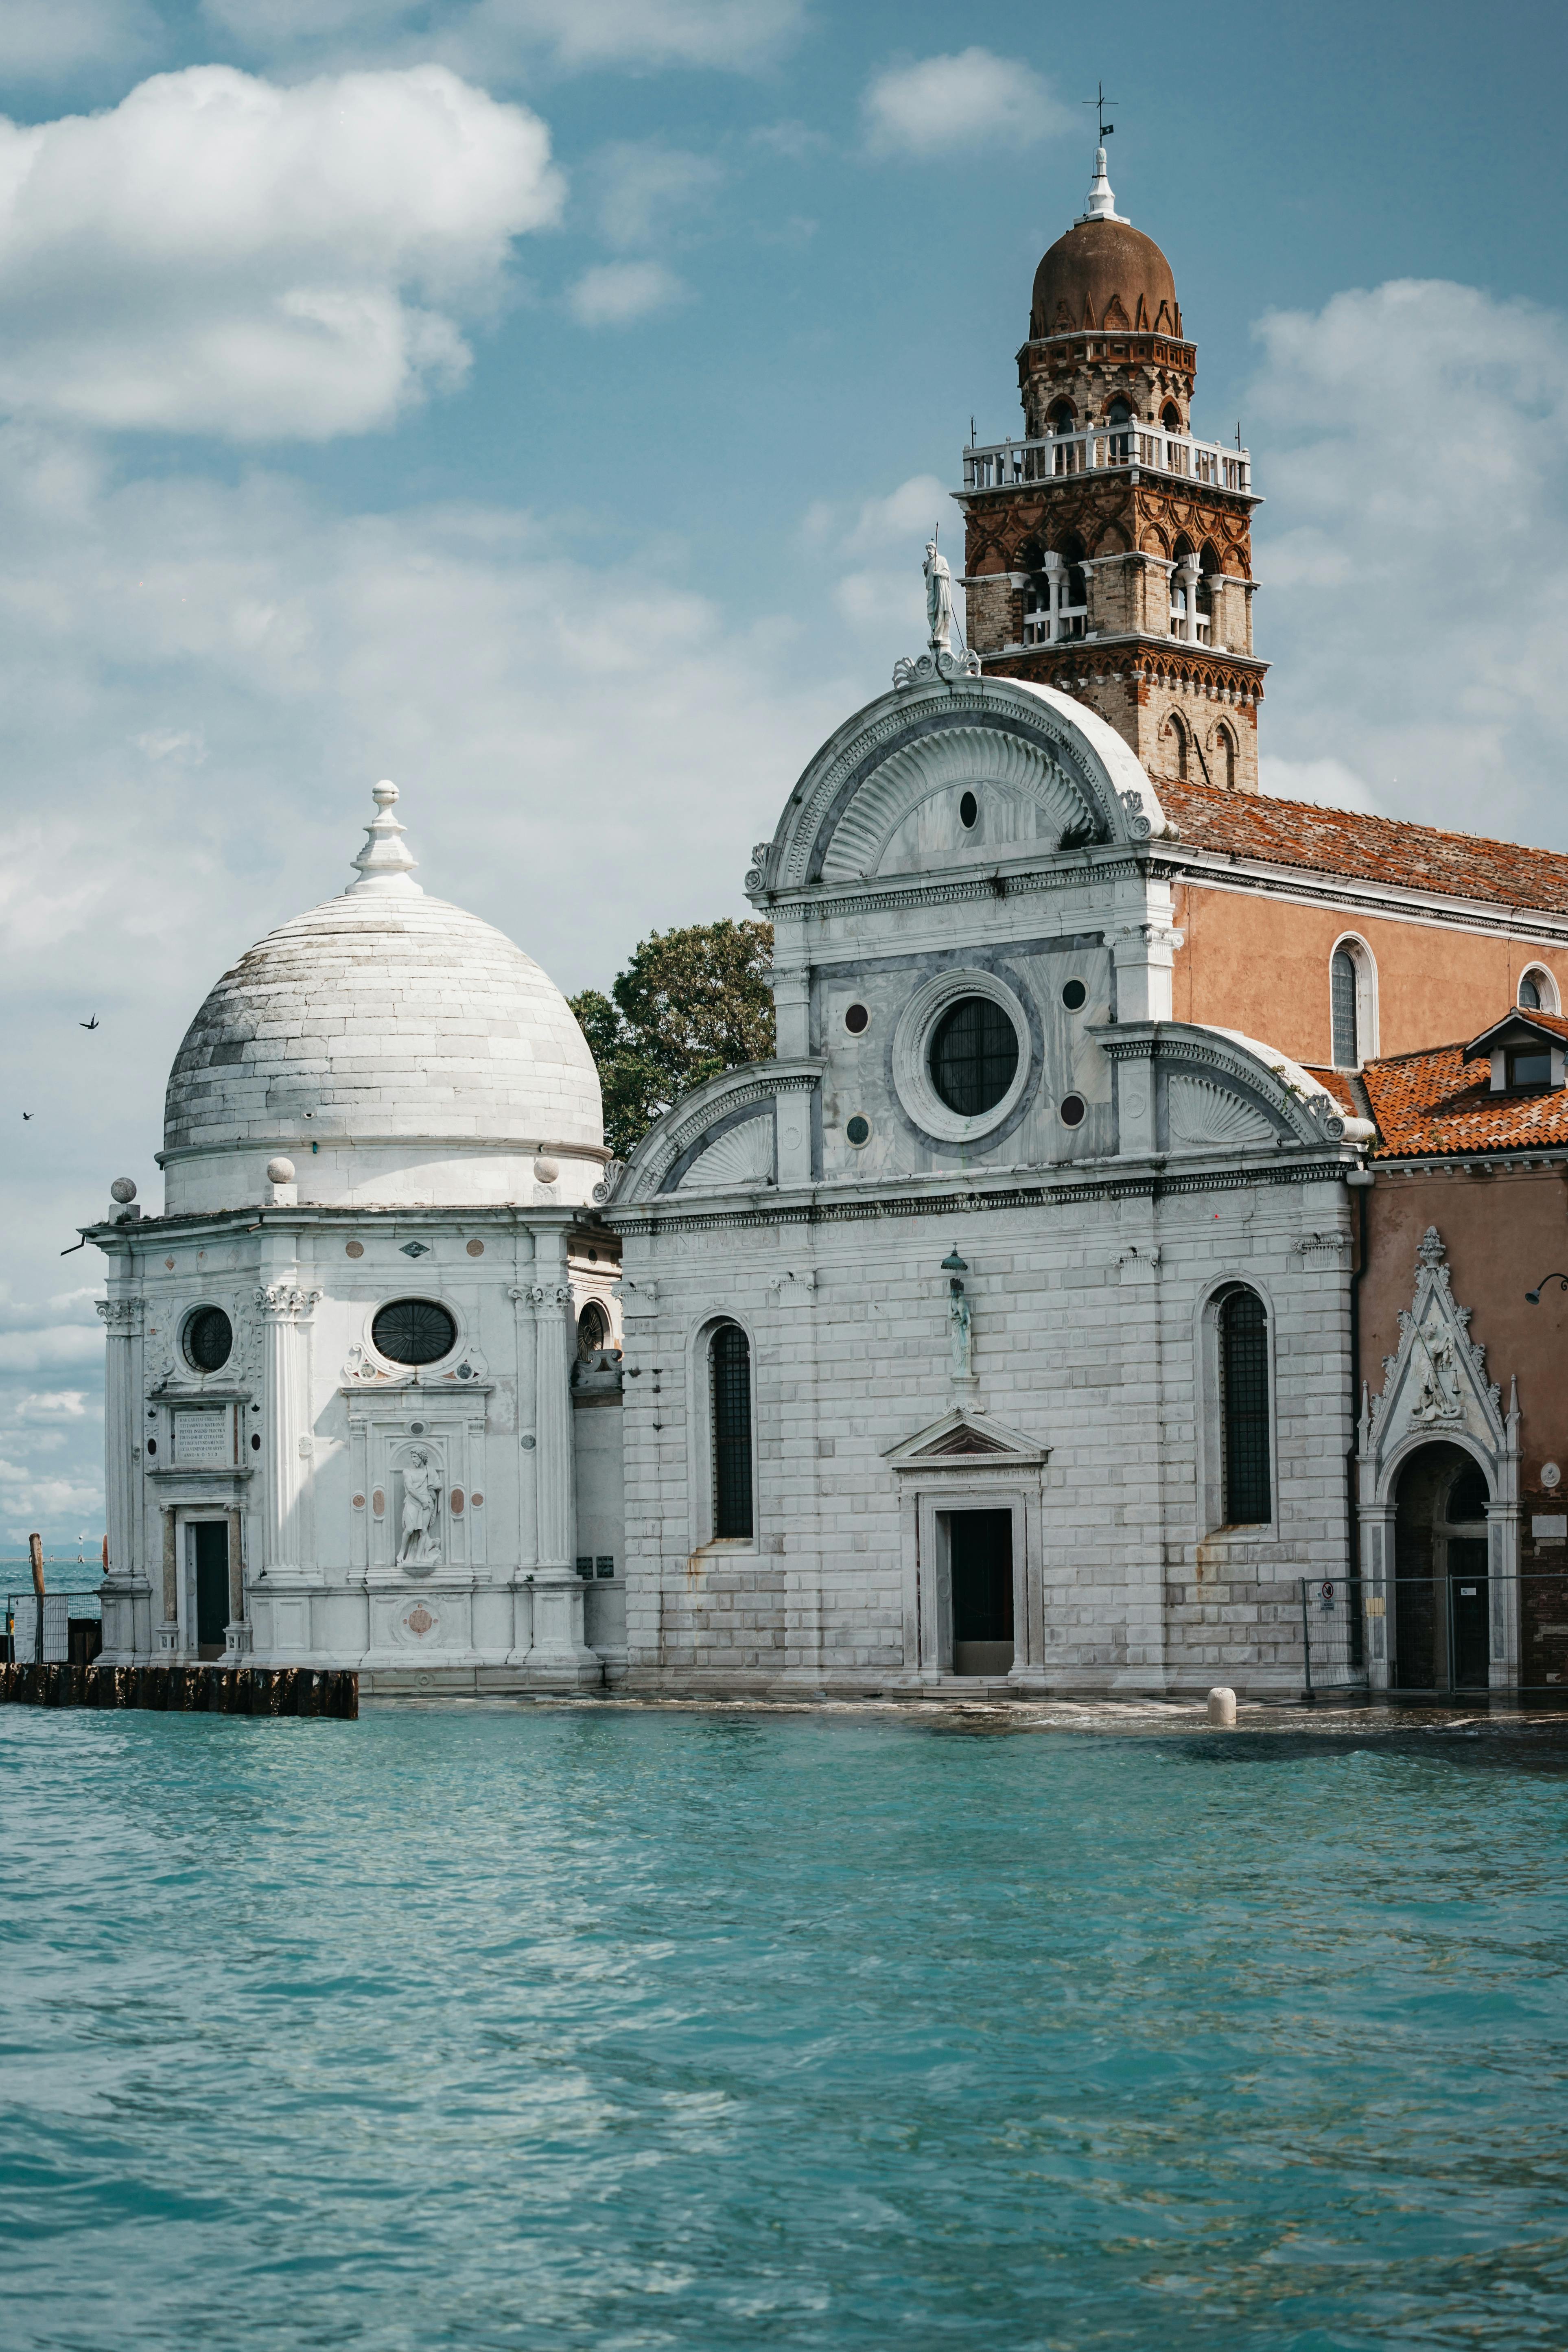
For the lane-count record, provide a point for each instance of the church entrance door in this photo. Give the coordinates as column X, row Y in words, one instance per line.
column 1440, row 1612
column 209, row 1562
column 980, row 1553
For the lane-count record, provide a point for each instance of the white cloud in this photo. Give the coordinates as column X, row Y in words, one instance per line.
column 618, row 293
column 936, row 106
column 643, row 187
column 218, row 253
column 1412, row 449
column 44, row 41
column 489, row 37
column 50, row 1351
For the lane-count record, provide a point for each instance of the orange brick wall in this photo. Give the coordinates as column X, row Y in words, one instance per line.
column 1502, row 1233
column 1261, row 965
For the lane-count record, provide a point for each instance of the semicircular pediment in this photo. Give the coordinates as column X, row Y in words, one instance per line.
column 906, row 814
column 881, row 795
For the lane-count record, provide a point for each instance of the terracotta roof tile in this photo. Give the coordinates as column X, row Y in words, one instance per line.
column 1370, row 848
column 1335, row 1083
column 1437, row 1102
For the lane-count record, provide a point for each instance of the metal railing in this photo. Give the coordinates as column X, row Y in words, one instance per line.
column 1440, row 1633
column 1103, row 449
column 72, row 1629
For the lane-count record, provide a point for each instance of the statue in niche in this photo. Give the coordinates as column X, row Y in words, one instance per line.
column 421, row 1512
column 938, row 599
column 1438, row 1397
column 960, row 1336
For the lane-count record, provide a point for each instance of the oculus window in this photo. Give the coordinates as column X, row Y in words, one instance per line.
column 413, row 1331
column 729, row 1375
column 209, row 1340
column 1244, row 1410
column 974, row 1056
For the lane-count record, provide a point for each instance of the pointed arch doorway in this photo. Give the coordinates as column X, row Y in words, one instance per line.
column 1440, row 1615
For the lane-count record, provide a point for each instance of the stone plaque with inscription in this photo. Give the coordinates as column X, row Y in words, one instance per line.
column 201, row 1439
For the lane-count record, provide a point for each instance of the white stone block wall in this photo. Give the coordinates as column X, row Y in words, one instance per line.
column 1083, row 1349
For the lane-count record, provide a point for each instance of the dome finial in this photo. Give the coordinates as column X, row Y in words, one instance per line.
column 384, row 862
column 1102, row 203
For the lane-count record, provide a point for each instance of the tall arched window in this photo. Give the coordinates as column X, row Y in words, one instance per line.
column 1224, row 757
column 729, row 1378
column 1173, row 743
column 1343, row 1010
column 1243, row 1409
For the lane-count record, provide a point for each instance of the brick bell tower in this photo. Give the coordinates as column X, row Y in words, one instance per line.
column 1108, row 553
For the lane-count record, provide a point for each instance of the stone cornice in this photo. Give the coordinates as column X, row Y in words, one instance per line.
column 1151, row 1179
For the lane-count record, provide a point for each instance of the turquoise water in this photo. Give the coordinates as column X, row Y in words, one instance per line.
column 521, row 2027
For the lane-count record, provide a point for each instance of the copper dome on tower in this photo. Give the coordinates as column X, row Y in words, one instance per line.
column 1104, row 273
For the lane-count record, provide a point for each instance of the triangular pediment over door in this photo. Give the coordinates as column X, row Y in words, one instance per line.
column 967, row 1437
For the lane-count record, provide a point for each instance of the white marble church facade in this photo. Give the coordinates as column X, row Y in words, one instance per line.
column 1013, row 1310
column 919, row 1386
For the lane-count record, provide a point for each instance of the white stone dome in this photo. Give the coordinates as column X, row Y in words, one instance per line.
column 399, row 1050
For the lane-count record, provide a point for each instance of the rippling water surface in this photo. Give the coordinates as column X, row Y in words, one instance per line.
column 513, row 2026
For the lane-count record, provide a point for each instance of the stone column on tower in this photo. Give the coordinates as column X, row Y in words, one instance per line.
column 126, row 1594
column 1110, row 486
column 286, row 1460
column 559, row 1654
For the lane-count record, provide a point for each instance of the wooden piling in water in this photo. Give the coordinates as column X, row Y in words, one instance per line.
column 215, row 1690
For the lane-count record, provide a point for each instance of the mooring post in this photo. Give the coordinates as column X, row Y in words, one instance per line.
column 36, row 1555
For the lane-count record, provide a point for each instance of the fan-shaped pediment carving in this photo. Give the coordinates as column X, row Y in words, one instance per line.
column 1202, row 1113
column 905, row 816
column 742, row 1154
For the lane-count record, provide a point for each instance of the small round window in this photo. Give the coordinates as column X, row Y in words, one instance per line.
column 1074, row 995
column 1072, row 1110
column 968, row 811
column 974, row 1056
column 856, row 1020
column 858, row 1131
column 209, row 1338
column 413, row 1331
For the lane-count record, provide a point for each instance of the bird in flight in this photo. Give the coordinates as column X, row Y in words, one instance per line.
column 27, row 1114
column 89, row 1025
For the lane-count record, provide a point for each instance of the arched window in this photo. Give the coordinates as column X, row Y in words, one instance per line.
column 1224, row 757
column 1171, row 417
column 1173, row 743
column 1117, row 416
column 729, row 1378
column 1244, row 1410
column 1352, row 1006
column 1538, row 992
column 593, row 1331
column 1061, row 419
column 1342, row 996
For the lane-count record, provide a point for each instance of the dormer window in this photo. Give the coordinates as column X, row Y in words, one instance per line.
column 1529, row 1065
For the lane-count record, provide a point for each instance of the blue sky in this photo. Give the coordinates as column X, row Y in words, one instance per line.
column 543, row 402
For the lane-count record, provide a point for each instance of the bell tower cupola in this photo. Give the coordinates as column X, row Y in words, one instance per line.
column 1109, row 550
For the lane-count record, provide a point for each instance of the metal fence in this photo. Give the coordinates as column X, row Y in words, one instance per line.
column 1440, row 1633
column 73, row 1629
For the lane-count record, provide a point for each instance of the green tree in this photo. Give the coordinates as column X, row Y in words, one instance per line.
column 690, row 1003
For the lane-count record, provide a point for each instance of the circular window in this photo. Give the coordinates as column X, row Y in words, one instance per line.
column 593, row 1330
column 1073, row 1110
column 858, row 1131
column 413, row 1331
column 968, row 811
column 974, row 1056
column 1074, row 994
column 209, row 1338
column 856, row 1019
